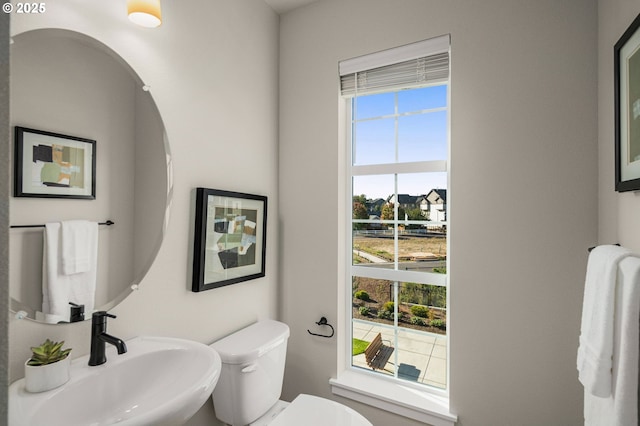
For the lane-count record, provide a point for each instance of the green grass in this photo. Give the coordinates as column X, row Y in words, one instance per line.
column 359, row 346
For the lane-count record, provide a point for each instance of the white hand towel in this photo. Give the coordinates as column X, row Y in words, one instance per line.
column 48, row 318
column 596, row 332
column 621, row 407
column 78, row 239
column 58, row 289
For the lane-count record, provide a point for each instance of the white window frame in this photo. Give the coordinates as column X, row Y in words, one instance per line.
column 419, row 402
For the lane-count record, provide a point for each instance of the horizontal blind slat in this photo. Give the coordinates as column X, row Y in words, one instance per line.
column 407, row 74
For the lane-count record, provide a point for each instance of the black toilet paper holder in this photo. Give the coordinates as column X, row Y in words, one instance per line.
column 323, row 321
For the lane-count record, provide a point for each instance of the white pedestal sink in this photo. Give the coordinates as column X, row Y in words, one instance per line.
column 159, row 381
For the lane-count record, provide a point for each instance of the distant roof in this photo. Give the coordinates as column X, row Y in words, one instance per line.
column 442, row 193
column 407, row 199
column 415, row 199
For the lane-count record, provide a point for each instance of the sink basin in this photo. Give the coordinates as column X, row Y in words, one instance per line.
column 159, row 381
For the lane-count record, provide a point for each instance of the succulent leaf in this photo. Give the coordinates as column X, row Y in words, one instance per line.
column 48, row 353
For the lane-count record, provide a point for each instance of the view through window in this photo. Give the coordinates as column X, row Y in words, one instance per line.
column 398, row 246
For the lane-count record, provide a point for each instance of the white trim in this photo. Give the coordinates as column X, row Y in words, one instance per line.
column 394, row 397
column 404, row 114
column 450, row 195
column 400, row 168
column 407, row 52
column 430, row 278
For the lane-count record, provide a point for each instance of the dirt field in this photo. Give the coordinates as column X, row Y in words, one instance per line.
column 408, row 247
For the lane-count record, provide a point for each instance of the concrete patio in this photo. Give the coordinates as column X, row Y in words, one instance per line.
column 420, row 356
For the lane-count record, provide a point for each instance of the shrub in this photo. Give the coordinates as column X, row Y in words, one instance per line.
column 438, row 323
column 420, row 311
column 362, row 295
column 417, row 321
column 385, row 314
column 388, row 306
column 364, row 311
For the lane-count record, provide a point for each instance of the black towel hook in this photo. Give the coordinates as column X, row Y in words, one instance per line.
column 323, row 321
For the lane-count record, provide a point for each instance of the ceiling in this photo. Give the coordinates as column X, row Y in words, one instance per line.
column 284, row 6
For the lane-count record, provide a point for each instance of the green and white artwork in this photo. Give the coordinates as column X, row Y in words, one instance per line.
column 230, row 236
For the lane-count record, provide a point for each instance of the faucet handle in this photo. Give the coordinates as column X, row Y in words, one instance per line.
column 100, row 317
column 103, row 314
column 76, row 313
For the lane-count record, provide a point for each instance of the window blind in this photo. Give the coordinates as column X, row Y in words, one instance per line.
column 412, row 65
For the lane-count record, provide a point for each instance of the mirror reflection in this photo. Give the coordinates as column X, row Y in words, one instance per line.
column 68, row 83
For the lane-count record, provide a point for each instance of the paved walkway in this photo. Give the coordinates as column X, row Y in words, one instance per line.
column 420, row 356
column 371, row 258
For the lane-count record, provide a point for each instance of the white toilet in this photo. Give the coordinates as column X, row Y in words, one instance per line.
column 250, row 384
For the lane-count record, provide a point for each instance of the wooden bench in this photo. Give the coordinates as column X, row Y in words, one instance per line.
column 377, row 354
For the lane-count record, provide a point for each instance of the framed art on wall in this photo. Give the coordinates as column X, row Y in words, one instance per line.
column 627, row 109
column 52, row 165
column 229, row 238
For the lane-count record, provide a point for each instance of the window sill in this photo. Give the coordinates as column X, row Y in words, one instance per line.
column 394, row 397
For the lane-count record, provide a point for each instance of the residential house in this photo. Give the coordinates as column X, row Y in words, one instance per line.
column 433, row 205
column 436, row 204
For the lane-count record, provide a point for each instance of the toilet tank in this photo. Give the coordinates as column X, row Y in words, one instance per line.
column 252, row 371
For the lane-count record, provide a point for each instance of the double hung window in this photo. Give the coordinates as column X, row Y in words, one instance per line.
column 398, row 161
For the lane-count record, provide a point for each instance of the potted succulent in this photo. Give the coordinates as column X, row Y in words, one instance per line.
column 47, row 368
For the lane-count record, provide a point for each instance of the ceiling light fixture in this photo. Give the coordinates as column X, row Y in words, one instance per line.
column 145, row 13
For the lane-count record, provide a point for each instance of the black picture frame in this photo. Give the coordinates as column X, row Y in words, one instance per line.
column 627, row 109
column 53, row 165
column 230, row 237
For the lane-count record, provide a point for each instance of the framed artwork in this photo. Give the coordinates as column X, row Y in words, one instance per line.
column 229, row 239
column 51, row 165
column 627, row 109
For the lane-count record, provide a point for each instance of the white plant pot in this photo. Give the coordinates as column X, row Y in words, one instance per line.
column 42, row 378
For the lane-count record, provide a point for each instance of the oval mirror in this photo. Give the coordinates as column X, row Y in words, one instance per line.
column 69, row 84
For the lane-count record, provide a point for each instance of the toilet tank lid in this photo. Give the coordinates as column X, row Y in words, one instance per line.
column 251, row 342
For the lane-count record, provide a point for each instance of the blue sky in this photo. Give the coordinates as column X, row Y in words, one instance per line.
column 421, row 137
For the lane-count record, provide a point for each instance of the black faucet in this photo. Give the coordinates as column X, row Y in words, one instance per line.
column 99, row 337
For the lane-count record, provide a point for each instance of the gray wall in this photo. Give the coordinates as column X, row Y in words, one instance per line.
column 524, row 113
column 151, row 183
column 618, row 212
column 4, row 216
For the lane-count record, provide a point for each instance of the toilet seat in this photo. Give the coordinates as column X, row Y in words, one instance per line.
column 311, row 410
